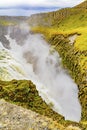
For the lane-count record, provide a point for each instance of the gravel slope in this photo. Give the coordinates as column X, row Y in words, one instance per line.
column 14, row 117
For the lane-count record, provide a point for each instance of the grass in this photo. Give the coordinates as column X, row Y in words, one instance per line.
column 74, row 57
column 74, row 24
column 5, row 22
column 24, row 93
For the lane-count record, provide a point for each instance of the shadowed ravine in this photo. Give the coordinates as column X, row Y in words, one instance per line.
column 30, row 57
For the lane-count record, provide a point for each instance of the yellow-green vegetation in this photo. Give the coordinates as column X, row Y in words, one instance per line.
column 5, row 22
column 24, row 93
column 66, row 23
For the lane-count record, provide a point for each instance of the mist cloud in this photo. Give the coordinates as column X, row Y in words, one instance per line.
column 42, row 65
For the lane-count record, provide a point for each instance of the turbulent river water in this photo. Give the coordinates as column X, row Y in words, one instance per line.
column 29, row 56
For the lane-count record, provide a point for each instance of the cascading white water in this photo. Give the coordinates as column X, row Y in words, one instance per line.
column 39, row 63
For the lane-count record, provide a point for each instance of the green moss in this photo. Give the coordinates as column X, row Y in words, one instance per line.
column 4, row 22
column 75, row 60
column 67, row 22
column 24, row 93
column 71, row 60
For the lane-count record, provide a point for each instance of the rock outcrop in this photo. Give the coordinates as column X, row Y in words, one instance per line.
column 14, row 117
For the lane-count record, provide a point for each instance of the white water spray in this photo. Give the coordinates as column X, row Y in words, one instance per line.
column 43, row 66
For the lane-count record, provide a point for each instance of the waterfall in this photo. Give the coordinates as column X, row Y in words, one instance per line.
column 31, row 57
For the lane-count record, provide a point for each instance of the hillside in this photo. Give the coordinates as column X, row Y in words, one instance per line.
column 66, row 25
column 54, row 18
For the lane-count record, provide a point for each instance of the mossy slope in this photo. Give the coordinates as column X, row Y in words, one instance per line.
column 24, row 93
column 68, row 22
